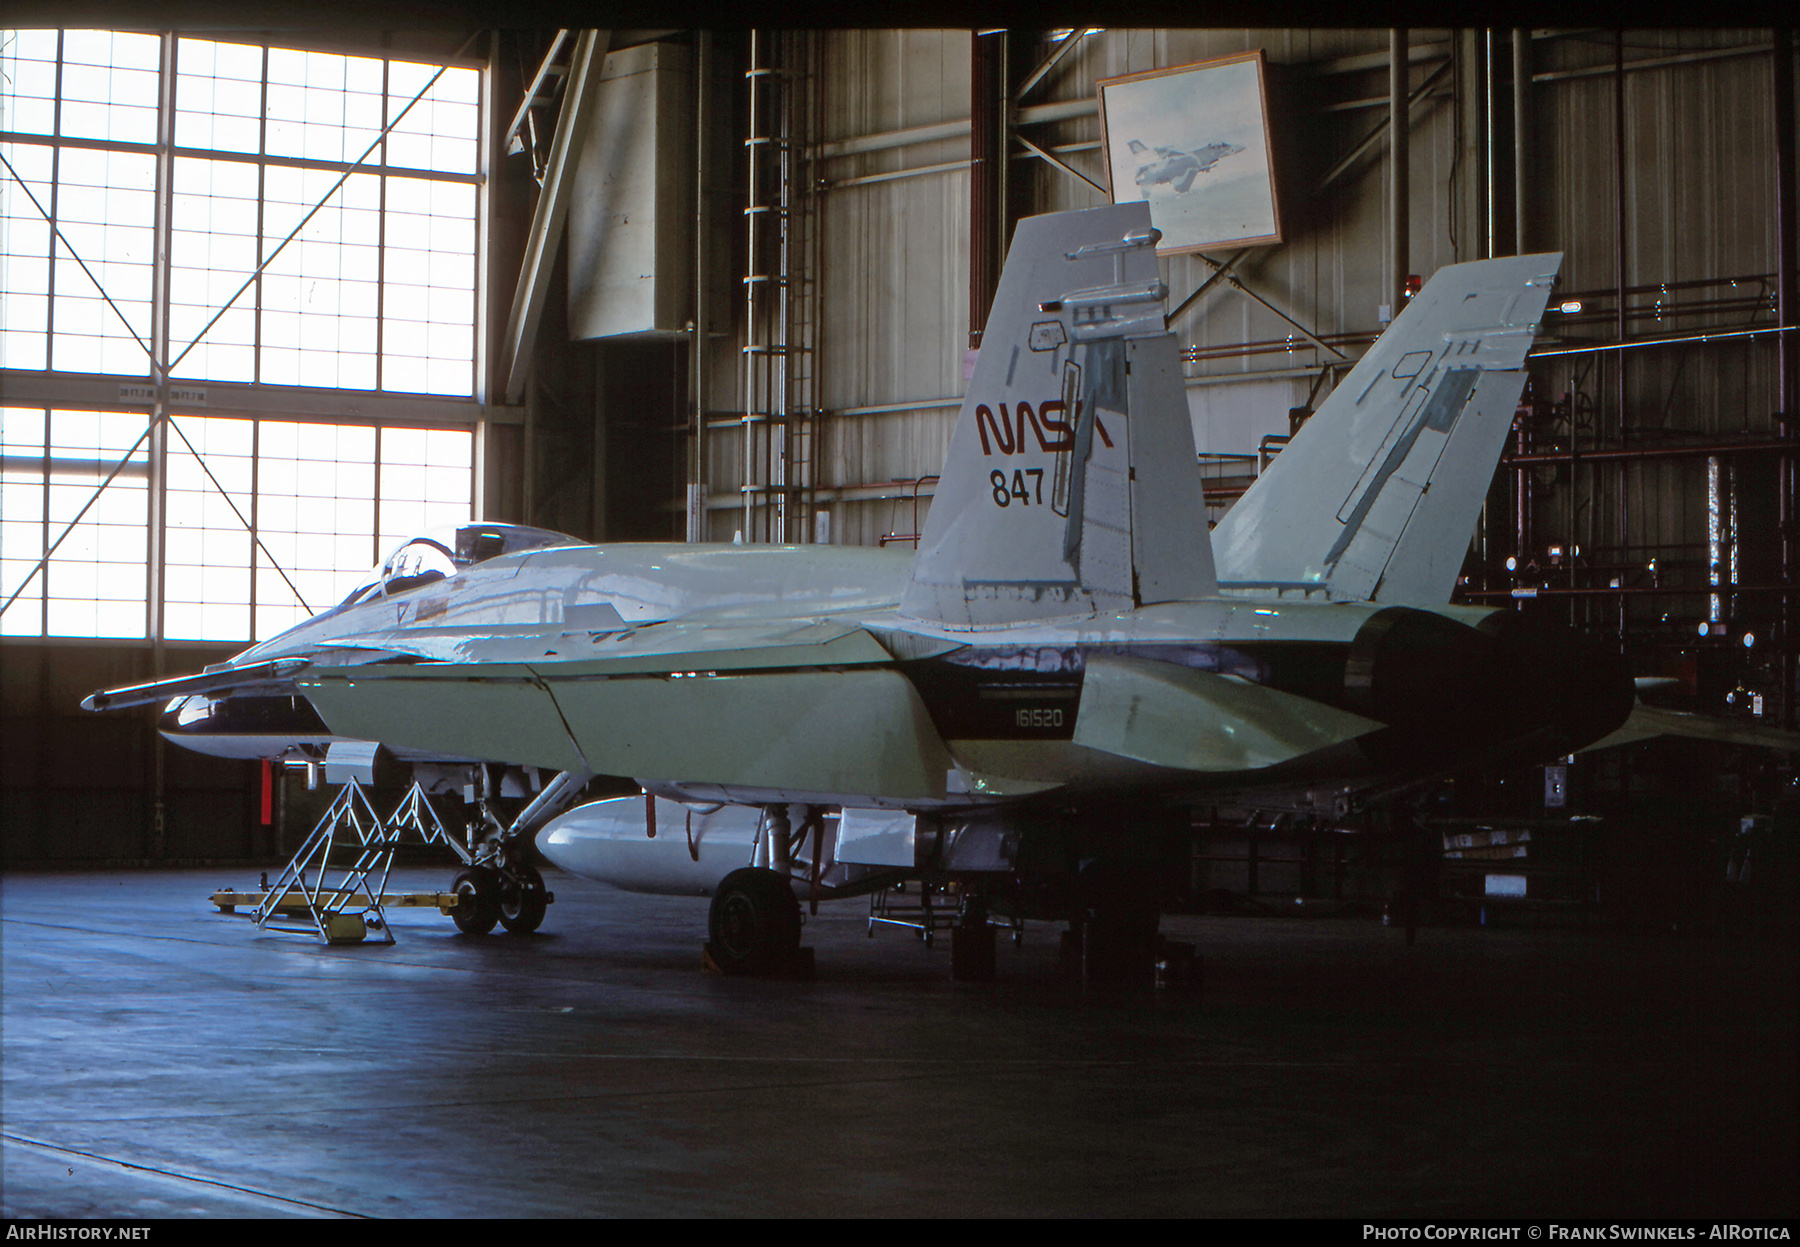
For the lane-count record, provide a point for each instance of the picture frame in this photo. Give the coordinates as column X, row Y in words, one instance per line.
column 1194, row 141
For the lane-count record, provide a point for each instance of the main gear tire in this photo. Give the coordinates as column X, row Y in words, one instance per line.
column 754, row 922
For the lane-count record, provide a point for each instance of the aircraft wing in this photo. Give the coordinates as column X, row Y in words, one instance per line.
column 1647, row 722
column 803, row 706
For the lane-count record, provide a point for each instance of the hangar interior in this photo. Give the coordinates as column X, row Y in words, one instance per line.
column 273, row 305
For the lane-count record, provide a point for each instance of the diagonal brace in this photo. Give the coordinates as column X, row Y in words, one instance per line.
column 1248, row 293
column 552, row 210
column 1041, row 154
column 1217, row 276
column 1338, row 170
column 1068, row 45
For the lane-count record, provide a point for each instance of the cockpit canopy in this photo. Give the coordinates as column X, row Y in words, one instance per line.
column 444, row 552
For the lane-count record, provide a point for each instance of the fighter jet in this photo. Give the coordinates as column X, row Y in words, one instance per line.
column 1031, row 704
column 1173, row 167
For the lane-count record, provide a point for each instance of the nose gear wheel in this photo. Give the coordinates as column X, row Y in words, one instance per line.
column 477, row 901
column 523, row 898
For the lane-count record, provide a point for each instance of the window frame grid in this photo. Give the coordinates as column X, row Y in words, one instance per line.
column 39, row 596
column 166, row 150
column 463, row 408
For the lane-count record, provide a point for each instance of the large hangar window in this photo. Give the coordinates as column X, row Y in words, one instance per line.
column 244, row 232
column 269, row 521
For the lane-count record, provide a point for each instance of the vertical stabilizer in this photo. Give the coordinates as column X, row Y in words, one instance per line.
column 1071, row 485
column 1376, row 497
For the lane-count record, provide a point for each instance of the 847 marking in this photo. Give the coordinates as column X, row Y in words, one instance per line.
column 1003, row 496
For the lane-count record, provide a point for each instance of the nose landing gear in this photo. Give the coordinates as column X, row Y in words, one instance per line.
column 523, row 899
column 513, row 895
column 477, row 901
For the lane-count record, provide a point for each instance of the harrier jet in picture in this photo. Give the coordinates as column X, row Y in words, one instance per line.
column 1173, row 167
column 1031, row 705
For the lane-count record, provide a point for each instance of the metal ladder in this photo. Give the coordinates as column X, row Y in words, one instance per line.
column 779, row 420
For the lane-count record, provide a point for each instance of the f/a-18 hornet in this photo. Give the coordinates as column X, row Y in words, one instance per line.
column 1171, row 166
column 1029, row 706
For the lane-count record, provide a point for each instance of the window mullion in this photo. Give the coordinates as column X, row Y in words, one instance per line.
column 255, row 518
column 376, row 509
column 262, row 198
column 50, row 283
column 156, row 552
column 44, row 541
column 163, row 227
column 381, row 232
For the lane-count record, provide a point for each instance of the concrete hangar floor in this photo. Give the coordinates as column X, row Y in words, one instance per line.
column 164, row 1060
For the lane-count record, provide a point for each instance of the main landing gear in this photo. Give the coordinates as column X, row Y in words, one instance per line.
column 754, row 924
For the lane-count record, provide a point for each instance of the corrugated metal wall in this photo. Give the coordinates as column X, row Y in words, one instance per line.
column 1699, row 206
column 893, row 214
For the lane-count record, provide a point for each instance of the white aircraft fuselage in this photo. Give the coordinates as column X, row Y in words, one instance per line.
column 775, row 628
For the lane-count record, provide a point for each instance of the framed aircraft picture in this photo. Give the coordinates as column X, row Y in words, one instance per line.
column 1193, row 140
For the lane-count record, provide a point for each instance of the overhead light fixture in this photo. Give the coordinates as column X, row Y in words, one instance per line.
column 1569, row 307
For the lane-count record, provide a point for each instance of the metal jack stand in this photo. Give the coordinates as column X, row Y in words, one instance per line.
column 338, row 879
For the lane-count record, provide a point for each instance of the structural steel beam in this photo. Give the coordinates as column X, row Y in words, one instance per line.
column 1067, row 46
column 1399, row 165
column 1219, row 273
column 988, row 144
column 1419, row 92
column 76, row 391
column 1237, row 285
column 546, row 69
column 552, row 210
column 1043, row 155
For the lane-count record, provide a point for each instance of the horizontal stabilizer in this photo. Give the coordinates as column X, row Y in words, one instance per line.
column 1174, row 716
column 1648, row 722
column 1376, row 496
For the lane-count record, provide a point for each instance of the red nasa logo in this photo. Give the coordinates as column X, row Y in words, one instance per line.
column 1047, row 426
